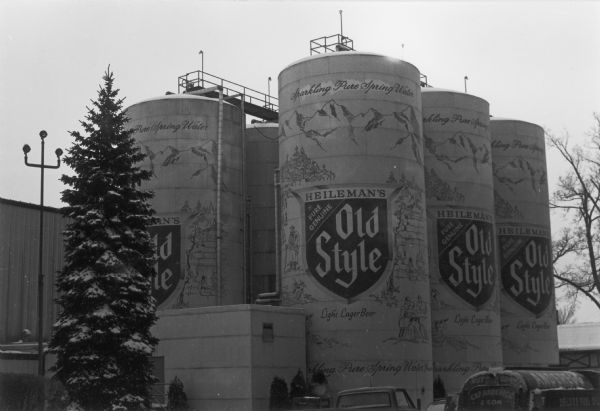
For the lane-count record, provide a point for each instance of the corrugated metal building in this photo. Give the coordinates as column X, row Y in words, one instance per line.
column 19, row 242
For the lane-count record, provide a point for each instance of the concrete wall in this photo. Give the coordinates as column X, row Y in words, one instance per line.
column 221, row 356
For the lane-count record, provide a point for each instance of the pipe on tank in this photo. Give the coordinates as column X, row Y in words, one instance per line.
column 247, row 250
column 245, row 241
column 219, row 178
column 277, row 249
column 245, row 275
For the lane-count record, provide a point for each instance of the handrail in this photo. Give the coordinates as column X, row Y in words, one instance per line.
column 199, row 79
column 339, row 43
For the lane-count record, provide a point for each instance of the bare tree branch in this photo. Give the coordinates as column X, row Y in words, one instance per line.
column 578, row 196
column 584, row 290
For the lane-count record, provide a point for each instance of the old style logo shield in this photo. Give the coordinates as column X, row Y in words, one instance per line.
column 346, row 231
column 467, row 258
column 527, row 271
column 167, row 242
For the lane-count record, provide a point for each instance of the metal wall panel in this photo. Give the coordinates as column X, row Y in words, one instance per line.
column 19, row 242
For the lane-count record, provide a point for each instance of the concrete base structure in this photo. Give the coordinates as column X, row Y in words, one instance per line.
column 227, row 356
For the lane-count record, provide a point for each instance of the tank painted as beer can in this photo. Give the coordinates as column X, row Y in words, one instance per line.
column 529, row 336
column 353, row 224
column 463, row 264
column 179, row 135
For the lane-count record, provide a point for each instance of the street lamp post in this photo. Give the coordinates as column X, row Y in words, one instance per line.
column 41, row 166
column 269, row 90
column 201, row 52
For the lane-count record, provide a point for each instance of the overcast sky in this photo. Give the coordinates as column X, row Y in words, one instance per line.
column 534, row 61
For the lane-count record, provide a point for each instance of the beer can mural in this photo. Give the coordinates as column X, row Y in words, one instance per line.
column 523, row 231
column 262, row 159
column 353, row 225
column 180, row 136
column 463, row 264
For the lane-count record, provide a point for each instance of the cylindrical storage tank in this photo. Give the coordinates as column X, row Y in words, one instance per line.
column 262, row 159
column 193, row 149
column 353, row 226
column 529, row 336
column 463, row 263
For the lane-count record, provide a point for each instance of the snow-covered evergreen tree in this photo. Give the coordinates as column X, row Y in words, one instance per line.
column 102, row 336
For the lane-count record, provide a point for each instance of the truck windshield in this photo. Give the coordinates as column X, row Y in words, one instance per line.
column 365, row 399
column 403, row 400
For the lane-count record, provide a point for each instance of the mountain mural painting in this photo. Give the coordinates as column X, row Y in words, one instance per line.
column 338, row 117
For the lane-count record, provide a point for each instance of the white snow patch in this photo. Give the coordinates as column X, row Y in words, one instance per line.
column 130, row 398
column 73, row 406
column 84, row 275
column 103, row 312
column 12, row 352
column 109, row 259
column 89, row 245
column 65, row 322
column 138, row 346
column 134, row 289
column 135, row 344
column 94, row 291
column 87, row 274
column 83, row 334
column 112, row 234
column 113, row 193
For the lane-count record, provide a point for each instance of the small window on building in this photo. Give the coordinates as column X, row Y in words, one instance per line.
column 267, row 332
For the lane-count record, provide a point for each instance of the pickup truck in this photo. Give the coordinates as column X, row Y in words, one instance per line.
column 381, row 398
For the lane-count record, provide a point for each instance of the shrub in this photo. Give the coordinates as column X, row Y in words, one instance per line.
column 26, row 392
column 318, row 385
column 439, row 390
column 177, row 400
column 278, row 398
